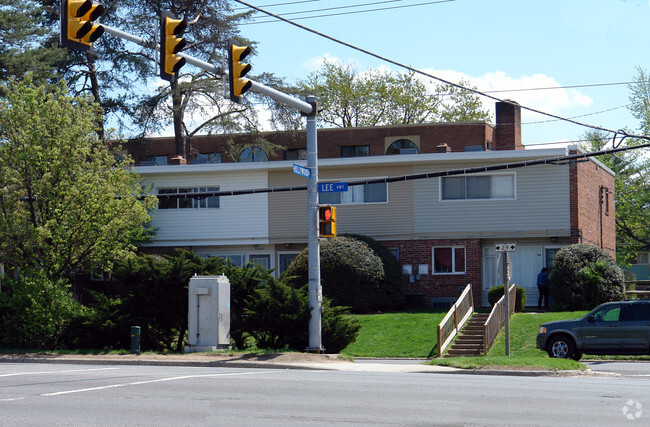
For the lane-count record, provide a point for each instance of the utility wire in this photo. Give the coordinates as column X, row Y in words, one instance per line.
column 281, row 4
column 335, row 8
column 351, row 12
column 560, row 160
column 417, row 71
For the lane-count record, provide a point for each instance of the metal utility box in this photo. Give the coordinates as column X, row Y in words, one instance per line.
column 208, row 314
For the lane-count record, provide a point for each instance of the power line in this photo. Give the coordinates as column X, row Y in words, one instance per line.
column 282, row 4
column 417, row 71
column 562, row 87
column 338, row 7
column 348, row 13
column 559, row 160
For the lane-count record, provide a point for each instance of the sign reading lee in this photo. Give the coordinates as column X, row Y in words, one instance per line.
column 330, row 187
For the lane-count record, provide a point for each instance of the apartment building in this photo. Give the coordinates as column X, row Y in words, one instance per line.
column 443, row 230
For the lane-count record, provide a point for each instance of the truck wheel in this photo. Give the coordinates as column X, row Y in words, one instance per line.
column 561, row 346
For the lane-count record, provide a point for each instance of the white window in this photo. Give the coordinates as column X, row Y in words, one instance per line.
column 263, row 260
column 449, row 260
column 188, row 202
column 236, row 260
column 474, row 187
column 358, row 194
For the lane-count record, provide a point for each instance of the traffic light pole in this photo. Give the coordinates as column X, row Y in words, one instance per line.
column 310, row 110
column 315, row 288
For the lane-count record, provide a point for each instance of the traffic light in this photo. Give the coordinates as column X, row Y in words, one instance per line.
column 327, row 221
column 237, row 70
column 78, row 31
column 170, row 44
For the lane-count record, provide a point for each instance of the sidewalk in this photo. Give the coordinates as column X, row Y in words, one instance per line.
column 268, row 361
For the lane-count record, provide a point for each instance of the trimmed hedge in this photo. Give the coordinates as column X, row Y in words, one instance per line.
column 352, row 274
column 495, row 293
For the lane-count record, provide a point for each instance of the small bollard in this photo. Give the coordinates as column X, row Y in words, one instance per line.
column 135, row 339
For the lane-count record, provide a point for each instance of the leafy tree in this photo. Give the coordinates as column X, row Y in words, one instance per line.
column 194, row 103
column 36, row 311
column 585, row 276
column 631, row 192
column 379, row 97
column 66, row 204
column 632, row 170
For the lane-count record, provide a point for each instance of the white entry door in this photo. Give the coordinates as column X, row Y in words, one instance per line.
column 526, row 262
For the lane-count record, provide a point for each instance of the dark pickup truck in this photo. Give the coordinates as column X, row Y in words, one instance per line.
column 612, row 328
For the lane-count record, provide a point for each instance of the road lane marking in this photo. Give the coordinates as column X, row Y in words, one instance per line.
column 55, row 372
column 82, row 390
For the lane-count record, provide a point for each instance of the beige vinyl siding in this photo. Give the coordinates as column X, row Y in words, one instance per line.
column 541, row 207
column 288, row 211
column 238, row 220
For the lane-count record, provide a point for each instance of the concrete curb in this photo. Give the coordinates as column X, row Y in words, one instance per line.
column 338, row 366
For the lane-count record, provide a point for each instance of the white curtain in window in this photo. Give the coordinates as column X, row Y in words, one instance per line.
column 503, row 186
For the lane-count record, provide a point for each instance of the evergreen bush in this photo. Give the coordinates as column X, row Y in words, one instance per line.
column 584, row 276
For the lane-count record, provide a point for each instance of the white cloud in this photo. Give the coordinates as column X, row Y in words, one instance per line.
column 316, row 62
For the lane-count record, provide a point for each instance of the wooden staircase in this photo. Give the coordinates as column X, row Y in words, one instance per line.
column 470, row 340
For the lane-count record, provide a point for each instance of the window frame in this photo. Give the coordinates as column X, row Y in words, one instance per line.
column 442, row 199
column 356, row 150
column 454, row 271
column 340, row 201
column 194, row 204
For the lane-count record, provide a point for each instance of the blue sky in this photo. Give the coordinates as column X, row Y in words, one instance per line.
column 496, row 45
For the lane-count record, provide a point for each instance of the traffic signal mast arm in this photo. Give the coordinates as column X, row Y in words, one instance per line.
column 281, row 97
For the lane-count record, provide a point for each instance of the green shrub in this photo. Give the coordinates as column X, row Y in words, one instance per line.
column 338, row 328
column 36, row 311
column 278, row 318
column 154, row 296
column 584, row 276
column 495, row 293
column 391, row 294
column 352, row 274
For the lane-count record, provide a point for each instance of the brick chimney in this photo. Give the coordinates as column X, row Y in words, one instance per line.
column 177, row 160
column 443, row 148
column 507, row 133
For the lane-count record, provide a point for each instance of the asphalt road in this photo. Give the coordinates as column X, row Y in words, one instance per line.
column 629, row 369
column 67, row 394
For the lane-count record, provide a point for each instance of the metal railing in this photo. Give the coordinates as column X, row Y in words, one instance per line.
column 496, row 320
column 455, row 319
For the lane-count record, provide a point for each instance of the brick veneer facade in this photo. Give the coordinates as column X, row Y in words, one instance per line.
column 592, row 206
column 505, row 135
column 416, row 252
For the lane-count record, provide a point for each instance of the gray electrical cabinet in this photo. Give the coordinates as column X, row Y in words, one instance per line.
column 208, row 314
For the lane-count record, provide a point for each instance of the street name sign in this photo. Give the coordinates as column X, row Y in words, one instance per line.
column 301, row 170
column 330, row 187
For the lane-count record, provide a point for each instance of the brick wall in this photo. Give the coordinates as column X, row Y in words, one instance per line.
column 592, row 206
column 415, row 252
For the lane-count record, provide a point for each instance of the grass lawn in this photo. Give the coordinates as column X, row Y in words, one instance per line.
column 413, row 334
column 405, row 334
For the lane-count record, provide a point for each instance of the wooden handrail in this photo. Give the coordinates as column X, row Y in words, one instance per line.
column 496, row 320
column 460, row 311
